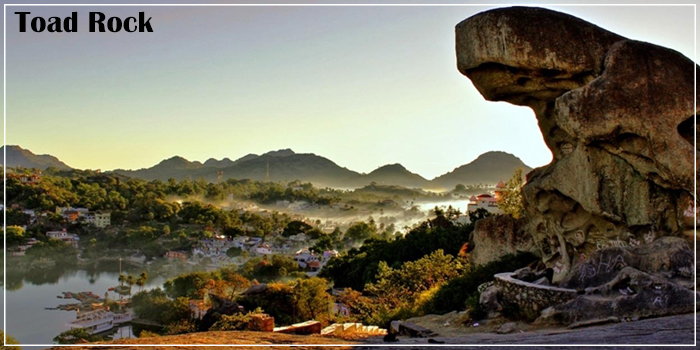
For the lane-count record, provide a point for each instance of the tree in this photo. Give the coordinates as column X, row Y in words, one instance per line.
column 323, row 244
column 130, row 280
column 360, row 231
column 141, row 280
column 478, row 215
column 74, row 336
column 510, row 200
column 295, row 228
column 312, row 300
column 15, row 235
column 10, row 340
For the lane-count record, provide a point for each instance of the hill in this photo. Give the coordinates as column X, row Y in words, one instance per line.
column 286, row 165
column 396, row 174
column 488, row 168
column 283, row 165
column 18, row 156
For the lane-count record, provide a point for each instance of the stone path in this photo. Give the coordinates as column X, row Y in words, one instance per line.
column 678, row 330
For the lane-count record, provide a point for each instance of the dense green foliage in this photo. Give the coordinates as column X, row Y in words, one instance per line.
column 511, row 197
column 235, row 322
column 361, row 265
column 270, row 268
column 224, row 282
column 293, row 301
column 154, row 305
column 76, row 335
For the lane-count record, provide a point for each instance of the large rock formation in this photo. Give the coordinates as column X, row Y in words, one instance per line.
column 617, row 115
column 499, row 235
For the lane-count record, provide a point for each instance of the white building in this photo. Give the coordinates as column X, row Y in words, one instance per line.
column 483, row 201
column 103, row 218
column 263, row 249
column 64, row 236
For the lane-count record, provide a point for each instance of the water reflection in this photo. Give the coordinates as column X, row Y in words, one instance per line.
column 29, row 291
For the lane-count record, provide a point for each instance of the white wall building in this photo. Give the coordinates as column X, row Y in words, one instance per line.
column 483, row 201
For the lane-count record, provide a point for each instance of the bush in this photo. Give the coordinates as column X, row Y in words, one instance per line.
column 452, row 296
column 10, row 340
column 181, row 327
column 148, row 334
column 235, row 322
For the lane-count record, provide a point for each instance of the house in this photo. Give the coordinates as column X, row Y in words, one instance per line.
column 500, row 188
column 330, row 254
column 25, row 179
column 303, row 257
column 483, row 201
column 301, row 237
column 102, row 218
column 314, row 265
column 71, row 216
column 176, row 254
column 64, row 236
column 263, row 249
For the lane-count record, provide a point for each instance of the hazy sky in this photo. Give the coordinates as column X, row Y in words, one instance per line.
column 362, row 86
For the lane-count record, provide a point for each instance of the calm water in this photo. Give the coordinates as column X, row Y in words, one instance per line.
column 29, row 293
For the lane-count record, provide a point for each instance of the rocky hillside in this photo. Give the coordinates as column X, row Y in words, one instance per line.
column 488, row 168
column 18, row 156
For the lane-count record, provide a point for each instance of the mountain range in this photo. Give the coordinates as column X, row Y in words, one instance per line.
column 286, row 165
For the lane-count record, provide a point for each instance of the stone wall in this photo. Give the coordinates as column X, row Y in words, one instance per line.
column 529, row 297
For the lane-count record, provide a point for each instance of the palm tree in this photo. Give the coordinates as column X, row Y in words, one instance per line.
column 144, row 276
column 130, row 280
column 140, row 281
column 122, row 279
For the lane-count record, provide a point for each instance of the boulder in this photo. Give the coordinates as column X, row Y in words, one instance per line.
column 668, row 257
column 617, row 115
column 489, row 300
column 220, row 306
column 415, row 331
column 499, row 235
column 506, row 328
column 632, row 294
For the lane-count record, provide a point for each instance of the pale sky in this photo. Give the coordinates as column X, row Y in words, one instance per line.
column 362, row 86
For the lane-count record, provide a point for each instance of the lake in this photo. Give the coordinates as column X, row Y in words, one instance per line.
column 31, row 292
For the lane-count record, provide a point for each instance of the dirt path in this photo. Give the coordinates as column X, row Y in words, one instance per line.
column 666, row 330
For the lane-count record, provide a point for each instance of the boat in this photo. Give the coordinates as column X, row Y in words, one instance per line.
column 124, row 317
column 94, row 321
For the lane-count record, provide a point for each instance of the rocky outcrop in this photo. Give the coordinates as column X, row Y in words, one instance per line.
column 668, row 257
column 617, row 115
column 220, row 306
column 500, row 235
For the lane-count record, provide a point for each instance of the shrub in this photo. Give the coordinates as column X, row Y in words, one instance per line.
column 452, row 296
column 235, row 322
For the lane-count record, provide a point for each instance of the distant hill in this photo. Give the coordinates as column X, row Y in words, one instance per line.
column 211, row 162
column 286, row 165
column 396, row 174
column 488, row 168
column 175, row 167
column 18, row 156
